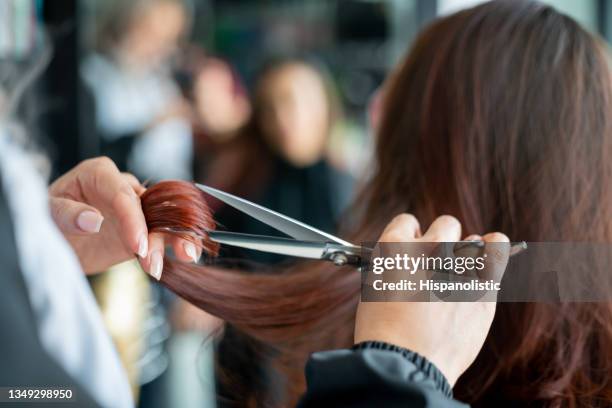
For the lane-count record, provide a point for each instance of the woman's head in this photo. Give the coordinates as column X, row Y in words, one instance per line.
column 294, row 110
column 141, row 33
column 220, row 101
column 500, row 115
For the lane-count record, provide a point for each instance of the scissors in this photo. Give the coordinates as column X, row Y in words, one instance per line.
column 305, row 242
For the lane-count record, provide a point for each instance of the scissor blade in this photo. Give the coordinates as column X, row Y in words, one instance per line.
column 288, row 225
column 282, row 246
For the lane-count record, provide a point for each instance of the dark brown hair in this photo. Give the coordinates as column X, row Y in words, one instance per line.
column 501, row 115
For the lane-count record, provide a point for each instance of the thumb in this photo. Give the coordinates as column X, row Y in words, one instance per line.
column 496, row 253
column 73, row 217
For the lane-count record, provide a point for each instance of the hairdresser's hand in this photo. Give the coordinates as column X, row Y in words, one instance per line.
column 98, row 210
column 450, row 334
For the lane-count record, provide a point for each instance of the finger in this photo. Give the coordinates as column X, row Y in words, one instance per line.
column 473, row 237
column 445, row 228
column 101, row 177
column 134, row 183
column 496, row 254
column 471, row 246
column 186, row 251
column 403, row 228
column 154, row 262
column 73, row 217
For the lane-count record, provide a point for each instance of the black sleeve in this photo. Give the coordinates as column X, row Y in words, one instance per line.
column 375, row 374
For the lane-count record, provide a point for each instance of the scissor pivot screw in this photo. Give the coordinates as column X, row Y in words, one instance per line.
column 339, row 259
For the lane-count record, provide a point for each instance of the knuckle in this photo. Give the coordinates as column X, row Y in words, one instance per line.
column 403, row 217
column 498, row 255
column 102, row 164
column 105, row 161
column 406, row 219
column 131, row 179
column 392, row 236
column 400, row 228
column 86, row 164
column 58, row 209
column 433, row 237
column 449, row 220
column 497, row 237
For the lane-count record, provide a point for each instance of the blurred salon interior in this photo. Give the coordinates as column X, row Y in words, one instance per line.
column 274, row 101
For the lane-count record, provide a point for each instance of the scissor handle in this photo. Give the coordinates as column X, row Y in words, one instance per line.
column 342, row 255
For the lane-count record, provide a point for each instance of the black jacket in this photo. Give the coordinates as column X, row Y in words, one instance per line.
column 375, row 374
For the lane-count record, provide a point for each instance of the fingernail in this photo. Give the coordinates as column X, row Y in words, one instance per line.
column 143, row 246
column 191, row 251
column 89, row 221
column 157, row 264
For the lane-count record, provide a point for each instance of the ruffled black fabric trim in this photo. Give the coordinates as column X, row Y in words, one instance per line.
column 423, row 364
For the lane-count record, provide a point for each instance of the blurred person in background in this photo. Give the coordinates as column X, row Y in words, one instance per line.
column 279, row 160
column 221, row 101
column 144, row 126
column 141, row 117
column 221, row 108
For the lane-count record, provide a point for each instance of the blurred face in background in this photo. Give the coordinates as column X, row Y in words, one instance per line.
column 221, row 105
column 295, row 113
column 153, row 34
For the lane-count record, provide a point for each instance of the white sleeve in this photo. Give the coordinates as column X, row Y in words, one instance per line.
column 69, row 323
